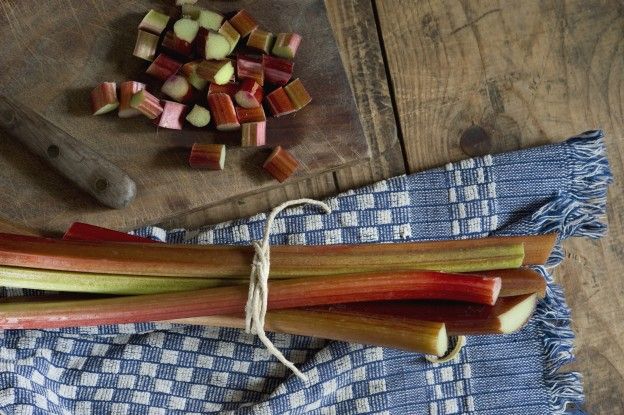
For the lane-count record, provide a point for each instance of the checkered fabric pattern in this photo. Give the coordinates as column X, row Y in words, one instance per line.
column 175, row 369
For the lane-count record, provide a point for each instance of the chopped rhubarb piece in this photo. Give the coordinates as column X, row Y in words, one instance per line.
column 277, row 70
column 230, row 88
column 280, row 164
column 218, row 72
column 126, row 91
column 186, row 29
column 147, row 104
column 163, row 67
column 248, row 67
column 199, row 116
column 154, row 22
column 210, row 20
column 200, row 42
column 261, row 40
column 286, row 45
column 223, row 112
column 298, row 94
column 250, row 94
column 244, row 23
column 190, row 72
column 191, row 11
column 174, row 44
column 178, row 88
column 231, row 34
column 184, row 2
column 145, row 46
column 246, row 115
column 216, row 46
column 207, row 156
column 280, row 103
column 253, row 134
column 104, row 98
column 172, row 116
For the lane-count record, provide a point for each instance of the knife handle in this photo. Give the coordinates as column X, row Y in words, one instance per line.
column 72, row 158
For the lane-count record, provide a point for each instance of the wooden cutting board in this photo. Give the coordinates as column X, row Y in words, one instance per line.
column 55, row 52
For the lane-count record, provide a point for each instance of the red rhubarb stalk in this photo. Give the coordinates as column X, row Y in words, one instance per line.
column 126, row 91
column 244, row 23
column 189, row 70
column 261, row 40
column 178, row 88
column 253, row 134
column 79, row 231
column 218, row 72
column 286, row 45
column 250, row 94
column 175, row 45
column 297, row 94
column 154, row 22
column 229, row 300
column 163, row 67
column 216, row 46
column 172, row 116
column 230, row 34
column 280, row 103
column 248, row 67
column 280, row 164
column 147, row 104
column 207, row 156
column 104, row 98
column 230, row 89
column 223, row 112
column 247, row 115
column 277, row 71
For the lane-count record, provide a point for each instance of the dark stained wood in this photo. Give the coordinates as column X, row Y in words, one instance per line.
column 527, row 73
column 65, row 48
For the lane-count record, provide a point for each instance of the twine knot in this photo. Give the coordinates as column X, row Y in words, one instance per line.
column 257, row 298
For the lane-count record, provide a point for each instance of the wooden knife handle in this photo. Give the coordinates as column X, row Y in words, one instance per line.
column 72, row 158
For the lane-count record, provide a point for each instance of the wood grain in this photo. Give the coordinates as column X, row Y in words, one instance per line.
column 526, row 73
column 59, row 56
column 354, row 26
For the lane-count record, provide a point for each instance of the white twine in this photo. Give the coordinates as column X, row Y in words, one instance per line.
column 256, row 307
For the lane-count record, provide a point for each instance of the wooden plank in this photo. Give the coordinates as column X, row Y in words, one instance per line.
column 526, row 73
column 353, row 24
column 62, row 50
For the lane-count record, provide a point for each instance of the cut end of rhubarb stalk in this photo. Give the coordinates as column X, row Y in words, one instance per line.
column 253, row 134
column 186, row 29
column 515, row 318
column 104, row 98
column 199, row 116
column 217, row 46
column 207, row 156
column 249, row 95
column 223, row 112
column 277, row 71
column 286, row 45
column 280, row 103
column 261, row 40
column 154, row 22
column 231, row 34
column 146, row 45
column 218, row 72
column 172, row 116
column 147, row 104
column 163, row 67
column 126, row 91
column 210, row 20
column 178, row 88
column 244, row 23
column 190, row 72
column 297, row 93
column 280, row 164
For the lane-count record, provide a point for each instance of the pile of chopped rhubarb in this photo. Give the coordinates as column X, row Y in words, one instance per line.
column 212, row 71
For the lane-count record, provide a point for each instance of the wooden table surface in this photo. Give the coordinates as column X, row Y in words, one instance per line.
column 526, row 73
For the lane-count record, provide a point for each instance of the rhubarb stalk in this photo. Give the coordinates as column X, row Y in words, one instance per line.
column 279, row 103
column 198, row 117
column 244, row 23
column 249, row 95
column 280, row 164
column 248, row 67
column 154, row 22
column 223, row 112
column 218, row 72
column 126, row 91
column 163, row 67
column 276, row 70
column 253, row 134
column 228, row 300
column 146, row 45
column 247, row 115
column 298, row 94
column 230, row 34
column 261, row 40
column 286, row 260
column 172, row 116
column 286, row 45
column 79, row 231
column 207, row 156
column 147, row 104
column 104, row 98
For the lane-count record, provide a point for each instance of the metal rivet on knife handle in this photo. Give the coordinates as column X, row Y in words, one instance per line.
column 75, row 160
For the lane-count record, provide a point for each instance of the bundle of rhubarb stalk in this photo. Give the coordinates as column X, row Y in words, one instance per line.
column 410, row 296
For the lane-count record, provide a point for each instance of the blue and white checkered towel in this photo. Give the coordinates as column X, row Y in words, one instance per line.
column 170, row 369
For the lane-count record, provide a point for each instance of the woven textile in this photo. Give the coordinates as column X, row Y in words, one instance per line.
column 169, row 369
